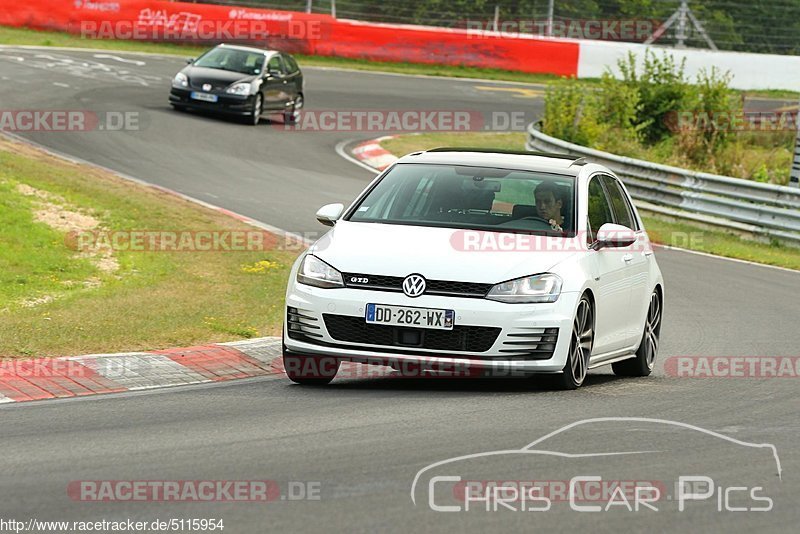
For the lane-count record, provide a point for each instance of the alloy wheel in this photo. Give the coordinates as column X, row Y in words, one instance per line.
column 581, row 344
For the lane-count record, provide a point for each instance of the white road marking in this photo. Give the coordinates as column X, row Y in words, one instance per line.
column 60, row 84
column 343, row 153
column 120, row 59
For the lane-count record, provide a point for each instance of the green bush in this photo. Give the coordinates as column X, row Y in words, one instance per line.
column 662, row 89
column 652, row 111
column 571, row 112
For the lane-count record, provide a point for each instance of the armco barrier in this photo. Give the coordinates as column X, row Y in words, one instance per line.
column 762, row 209
column 307, row 33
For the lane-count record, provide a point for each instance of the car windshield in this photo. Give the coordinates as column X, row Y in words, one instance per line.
column 463, row 197
column 232, row 60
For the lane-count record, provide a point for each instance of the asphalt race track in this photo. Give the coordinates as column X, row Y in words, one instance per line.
column 362, row 441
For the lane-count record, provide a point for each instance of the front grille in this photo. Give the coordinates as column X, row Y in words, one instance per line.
column 432, row 287
column 530, row 343
column 460, row 338
column 215, row 85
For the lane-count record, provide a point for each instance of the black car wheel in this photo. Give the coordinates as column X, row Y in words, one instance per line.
column 257, row 108
column 308, row 370
column 580, row 347
column 643, row 363
column 292, row 115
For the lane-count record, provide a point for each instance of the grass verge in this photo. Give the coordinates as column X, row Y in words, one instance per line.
column 25, row 36
column 661, row 230
column 57, row 298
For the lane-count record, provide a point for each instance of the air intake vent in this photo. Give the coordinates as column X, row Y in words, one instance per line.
column 301, row 324
column 531, row 343
column 460, row 338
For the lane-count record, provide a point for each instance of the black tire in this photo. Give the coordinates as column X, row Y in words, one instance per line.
column 644, row 361
column 574, row 372
column 309, row 370
column 290, row 116
column 258, row 105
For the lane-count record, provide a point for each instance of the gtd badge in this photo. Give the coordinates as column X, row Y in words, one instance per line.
column 206, row 87
column 414, row 285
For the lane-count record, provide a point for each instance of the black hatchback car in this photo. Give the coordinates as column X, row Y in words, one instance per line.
column 242, row 81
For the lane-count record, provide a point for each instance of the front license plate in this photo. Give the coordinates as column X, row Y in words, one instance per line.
column 205, row 97
column 413, row 317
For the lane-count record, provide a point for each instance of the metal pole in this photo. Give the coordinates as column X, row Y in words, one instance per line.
column 682, row 15
column 496, row 22
column 550, row 9
column 333, row 8
column 794, row 180
column 308, row 6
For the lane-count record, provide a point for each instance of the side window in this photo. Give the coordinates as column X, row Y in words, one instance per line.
column 599, row 210
column 275, row 63
column 620, row 205
column 291, row 64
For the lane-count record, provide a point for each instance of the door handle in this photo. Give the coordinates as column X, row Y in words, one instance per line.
column 627, row 258
column 648, row 252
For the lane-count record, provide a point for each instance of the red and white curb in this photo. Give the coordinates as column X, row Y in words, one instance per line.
column 50, row 378
column 373, row 154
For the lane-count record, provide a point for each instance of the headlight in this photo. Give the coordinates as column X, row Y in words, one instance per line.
column 315, row 272
column 239, row 89
column 180, row 80
column 538, row 288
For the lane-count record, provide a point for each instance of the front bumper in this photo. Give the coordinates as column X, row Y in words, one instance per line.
column 228, row 104
column 520, row 326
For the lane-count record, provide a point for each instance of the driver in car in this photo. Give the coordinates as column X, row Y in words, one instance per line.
column 549, row 204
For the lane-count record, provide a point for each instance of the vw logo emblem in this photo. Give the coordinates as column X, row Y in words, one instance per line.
column 414, row 285
column 206, row 87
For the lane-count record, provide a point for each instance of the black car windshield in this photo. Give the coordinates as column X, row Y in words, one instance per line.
column 463, row 197
column 233, row 60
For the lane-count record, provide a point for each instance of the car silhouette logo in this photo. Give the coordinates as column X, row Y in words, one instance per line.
column 206, row 87
column 414, row 285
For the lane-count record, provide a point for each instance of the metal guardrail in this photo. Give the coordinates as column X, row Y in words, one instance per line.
column 765, row 210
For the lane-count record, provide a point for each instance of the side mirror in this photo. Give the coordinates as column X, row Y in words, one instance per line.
column 330, row 213
column 190, row 61
column 613, row 236
column 274, row 73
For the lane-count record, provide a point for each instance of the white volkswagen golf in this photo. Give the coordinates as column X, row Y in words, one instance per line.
column 457, row 260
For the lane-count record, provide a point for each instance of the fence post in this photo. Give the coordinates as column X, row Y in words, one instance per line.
column 794, row 180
